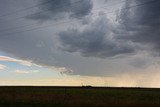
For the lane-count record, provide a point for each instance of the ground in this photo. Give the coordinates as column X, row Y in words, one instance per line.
column 26, row 96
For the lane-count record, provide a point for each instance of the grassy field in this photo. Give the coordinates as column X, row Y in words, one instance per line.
column 78, row 97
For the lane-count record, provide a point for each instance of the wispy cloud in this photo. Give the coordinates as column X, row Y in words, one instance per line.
column 29, row 64
column 9, row 59
column 26, row 71
column 2, row 67
column 21, row 72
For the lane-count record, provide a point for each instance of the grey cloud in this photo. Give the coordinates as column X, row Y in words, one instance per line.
column 28, row 47
column 40, row 49
column 97, row 39
column 57, row 9
column 140, row 62
column 141, row 24
column 94, row 41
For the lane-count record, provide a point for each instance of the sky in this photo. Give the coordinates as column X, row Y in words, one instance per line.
column 80, row 42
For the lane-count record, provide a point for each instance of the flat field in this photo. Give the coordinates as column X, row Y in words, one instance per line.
column 28, row 96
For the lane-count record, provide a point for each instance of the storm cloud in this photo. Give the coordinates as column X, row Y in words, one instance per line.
column 87, row 49
column 57, row 9
column 95, row 40
column 141, row 24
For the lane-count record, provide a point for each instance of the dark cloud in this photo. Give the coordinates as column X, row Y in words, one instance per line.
column 98, row 38
column 57, row 9
column 141, row 24
column 94, row 41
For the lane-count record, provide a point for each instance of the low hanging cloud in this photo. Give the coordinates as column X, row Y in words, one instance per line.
column 94, row 41
column 141, row 24
column 59, row 8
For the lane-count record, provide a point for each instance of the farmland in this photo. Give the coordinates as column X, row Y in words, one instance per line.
column 28, row 96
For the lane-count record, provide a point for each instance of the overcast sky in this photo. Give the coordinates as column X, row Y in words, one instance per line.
column 92, row 42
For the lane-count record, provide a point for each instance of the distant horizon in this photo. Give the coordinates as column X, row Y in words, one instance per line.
column 87, row 86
